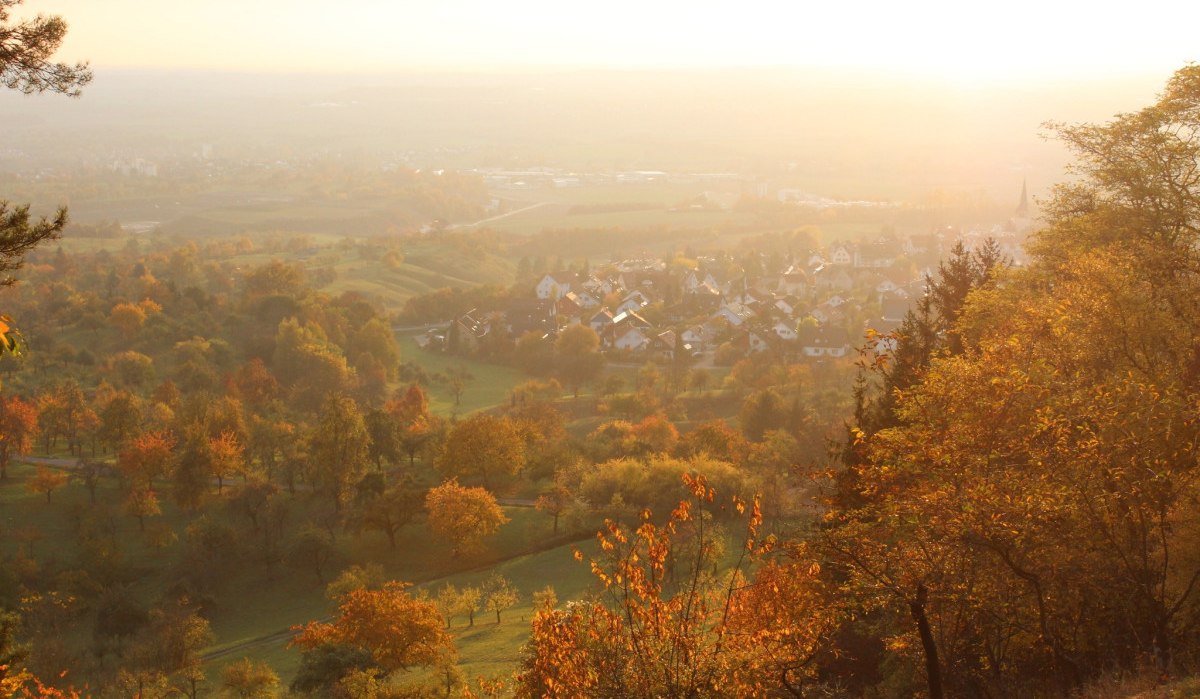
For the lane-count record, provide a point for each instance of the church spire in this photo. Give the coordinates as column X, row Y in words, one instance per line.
column 1023, row 207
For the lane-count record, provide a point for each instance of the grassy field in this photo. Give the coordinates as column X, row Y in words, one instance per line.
column 491, row 386
column 255, row 605
column 539, row 219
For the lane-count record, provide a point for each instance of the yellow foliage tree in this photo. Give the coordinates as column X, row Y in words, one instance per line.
column 462, row 516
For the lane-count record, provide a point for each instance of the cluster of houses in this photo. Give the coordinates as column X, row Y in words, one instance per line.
column 812, row 308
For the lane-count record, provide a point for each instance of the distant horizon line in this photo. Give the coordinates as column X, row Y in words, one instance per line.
column 429, row 70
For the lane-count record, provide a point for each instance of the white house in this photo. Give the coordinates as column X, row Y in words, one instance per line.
column 734, row 314
column 841, row 254
column 694, row 336
column 633, row 301
column 824, row 341
column 633, row 339
column 555, row 285
column 601, row 321
column 582, row 299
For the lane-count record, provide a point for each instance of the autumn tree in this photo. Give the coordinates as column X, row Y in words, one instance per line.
column 482, row 449
column 355, row 577
column 701, row 636
column 18, row 424
column 247, row 679
column 410, row 410
column 397, row 630
column 555, row 501
column 64, row 411
column 120, row 420
column 456, row 379
column 470, row 602
column 376, row 339
column 384, row 434
column 147, row 457
column 171, row 642
column 47, row 481
column 716, row 439
column 499, row 595
column 1020, row 520
column 225, row 457
column 462, row 516
column 762, row 412
column 313, row 549
column 578, row 358
column 547, row 444
column 389, row 511
column 338, row 448
column 127, row 318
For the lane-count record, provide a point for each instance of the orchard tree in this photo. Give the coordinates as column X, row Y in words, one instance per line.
column 127, row 318
column 499, row 595
column 482, row 449
column 141, row 503
column 147, row 457
column 391, row 510
column 397, row 630
column 120, row 420
column 18, row 424
column 463, row 517
column 384, row 432
column 247, row 679
column 410, row 410
column 555, row 501
column 225, row 457
column 339, row 448
column 578, row 356
column 47, row 481
column 313, row 549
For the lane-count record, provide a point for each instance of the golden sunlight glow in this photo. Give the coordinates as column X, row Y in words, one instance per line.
column 958, row 41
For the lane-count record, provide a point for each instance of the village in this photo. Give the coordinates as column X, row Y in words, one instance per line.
column 803, row 305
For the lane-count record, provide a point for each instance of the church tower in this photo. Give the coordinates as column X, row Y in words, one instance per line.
column 1023, row 207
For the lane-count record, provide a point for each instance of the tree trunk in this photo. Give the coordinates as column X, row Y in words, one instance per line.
column 932, row 668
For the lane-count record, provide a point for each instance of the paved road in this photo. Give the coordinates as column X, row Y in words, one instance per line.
column 497, row 217
column 47, row 461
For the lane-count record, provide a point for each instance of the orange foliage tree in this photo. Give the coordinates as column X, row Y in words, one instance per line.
column 147, row 457
column 463, row 516
column 397, row 629
column 699, row 635
column 18, row 423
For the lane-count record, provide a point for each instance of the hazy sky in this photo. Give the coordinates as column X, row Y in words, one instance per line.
column 962, row 41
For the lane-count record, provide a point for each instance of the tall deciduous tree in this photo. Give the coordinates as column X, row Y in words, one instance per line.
column 18, row 424
column 338, row 448
column 1024, row 520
